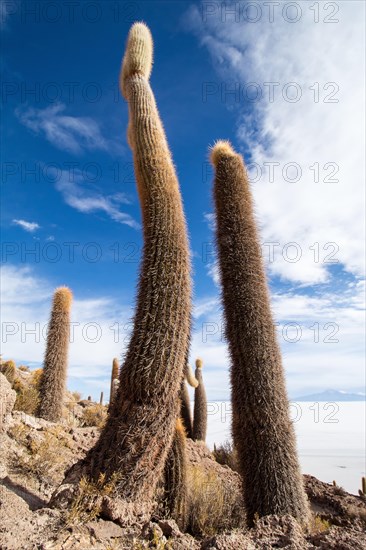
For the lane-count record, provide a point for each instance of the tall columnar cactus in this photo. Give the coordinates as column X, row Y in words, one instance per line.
column 262, row 430
column 140, row 428
column 185, row 410
column 114, row 376
column 175, row 477
column 53, row 379
column 200, row 406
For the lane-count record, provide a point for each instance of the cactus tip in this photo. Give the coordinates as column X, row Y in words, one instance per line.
column 63, row 297
column 199, row 363
column 138, row 57
column 220, row 149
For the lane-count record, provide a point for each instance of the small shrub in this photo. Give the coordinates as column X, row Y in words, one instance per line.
column 318, row 525
column 96, row 415
column 8, row 370
column 42, row 458
column 27, row 399
column 24, row 368
column 226, row 455
column 76, row 395
column 86, row 504
column 213, row 506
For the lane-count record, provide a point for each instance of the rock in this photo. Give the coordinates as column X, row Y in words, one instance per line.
column 151, row 531
column 169, row 528
column 7, row 400
column 31, row 421
column 104, row 529
column 229, row 541
column 125, row 513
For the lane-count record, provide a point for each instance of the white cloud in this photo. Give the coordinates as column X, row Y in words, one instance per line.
column 90, row 201
column 27, row 226
column 100, row 329
column 311, row 130
column 68, row 133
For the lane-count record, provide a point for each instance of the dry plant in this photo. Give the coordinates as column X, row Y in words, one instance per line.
column 213, row 506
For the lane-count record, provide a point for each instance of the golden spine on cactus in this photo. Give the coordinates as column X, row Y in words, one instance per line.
column 200, row 406
column 140, row 428
column 53, row 379
column 262, row 431
column 114, row 376
column 175, row 478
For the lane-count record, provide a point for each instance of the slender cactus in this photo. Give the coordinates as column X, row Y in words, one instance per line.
column 200, row 406
column 262, row 430
column 175, row 477
column 141, row 425
column 185, row 411
column 114, row 376
column 53, row 379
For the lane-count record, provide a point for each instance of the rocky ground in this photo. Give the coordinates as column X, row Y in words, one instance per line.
column 34, row 454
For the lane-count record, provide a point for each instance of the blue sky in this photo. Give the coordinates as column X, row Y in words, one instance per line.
column 68, row 191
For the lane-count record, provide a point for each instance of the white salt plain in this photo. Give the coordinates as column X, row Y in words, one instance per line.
column 331, row 438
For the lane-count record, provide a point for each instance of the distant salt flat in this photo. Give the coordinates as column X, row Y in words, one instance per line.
column 330, row 436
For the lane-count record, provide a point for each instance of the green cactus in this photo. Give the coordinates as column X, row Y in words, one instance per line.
column 262, row 430
column 53, row 378
column 114, row 376
column 140, row 427
column 175, row 478
column 200, row 406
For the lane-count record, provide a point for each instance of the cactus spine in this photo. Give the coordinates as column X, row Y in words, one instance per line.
column 140, row 428
column 175, row 476
column 114, row 376
column 53, row 379
column 262, row 430
column 200, row 406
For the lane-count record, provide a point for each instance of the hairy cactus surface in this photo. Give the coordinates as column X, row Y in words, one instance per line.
column 200, row 406
column 141, row 425
column 53, row 379
column 175, row 478
column 263, row 433
column 185, row 410
column 114, row 376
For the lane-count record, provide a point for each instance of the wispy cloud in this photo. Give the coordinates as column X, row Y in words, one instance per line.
column 91, row 201
column 27, row 226
column 68, row 133
column 316, row 144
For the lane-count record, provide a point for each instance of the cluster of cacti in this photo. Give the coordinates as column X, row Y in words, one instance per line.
column 142, row 439
column 53, row 380
column 262, row 430
column 200, row 406
column 175, row 477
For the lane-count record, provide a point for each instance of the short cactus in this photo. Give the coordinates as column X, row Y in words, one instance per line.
column 140, row 427
column 263, row 433
column 114, row 376
column 8, row 369
column 53, row 379
column 200, row 406
column 175, row 478
column 185, row 410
